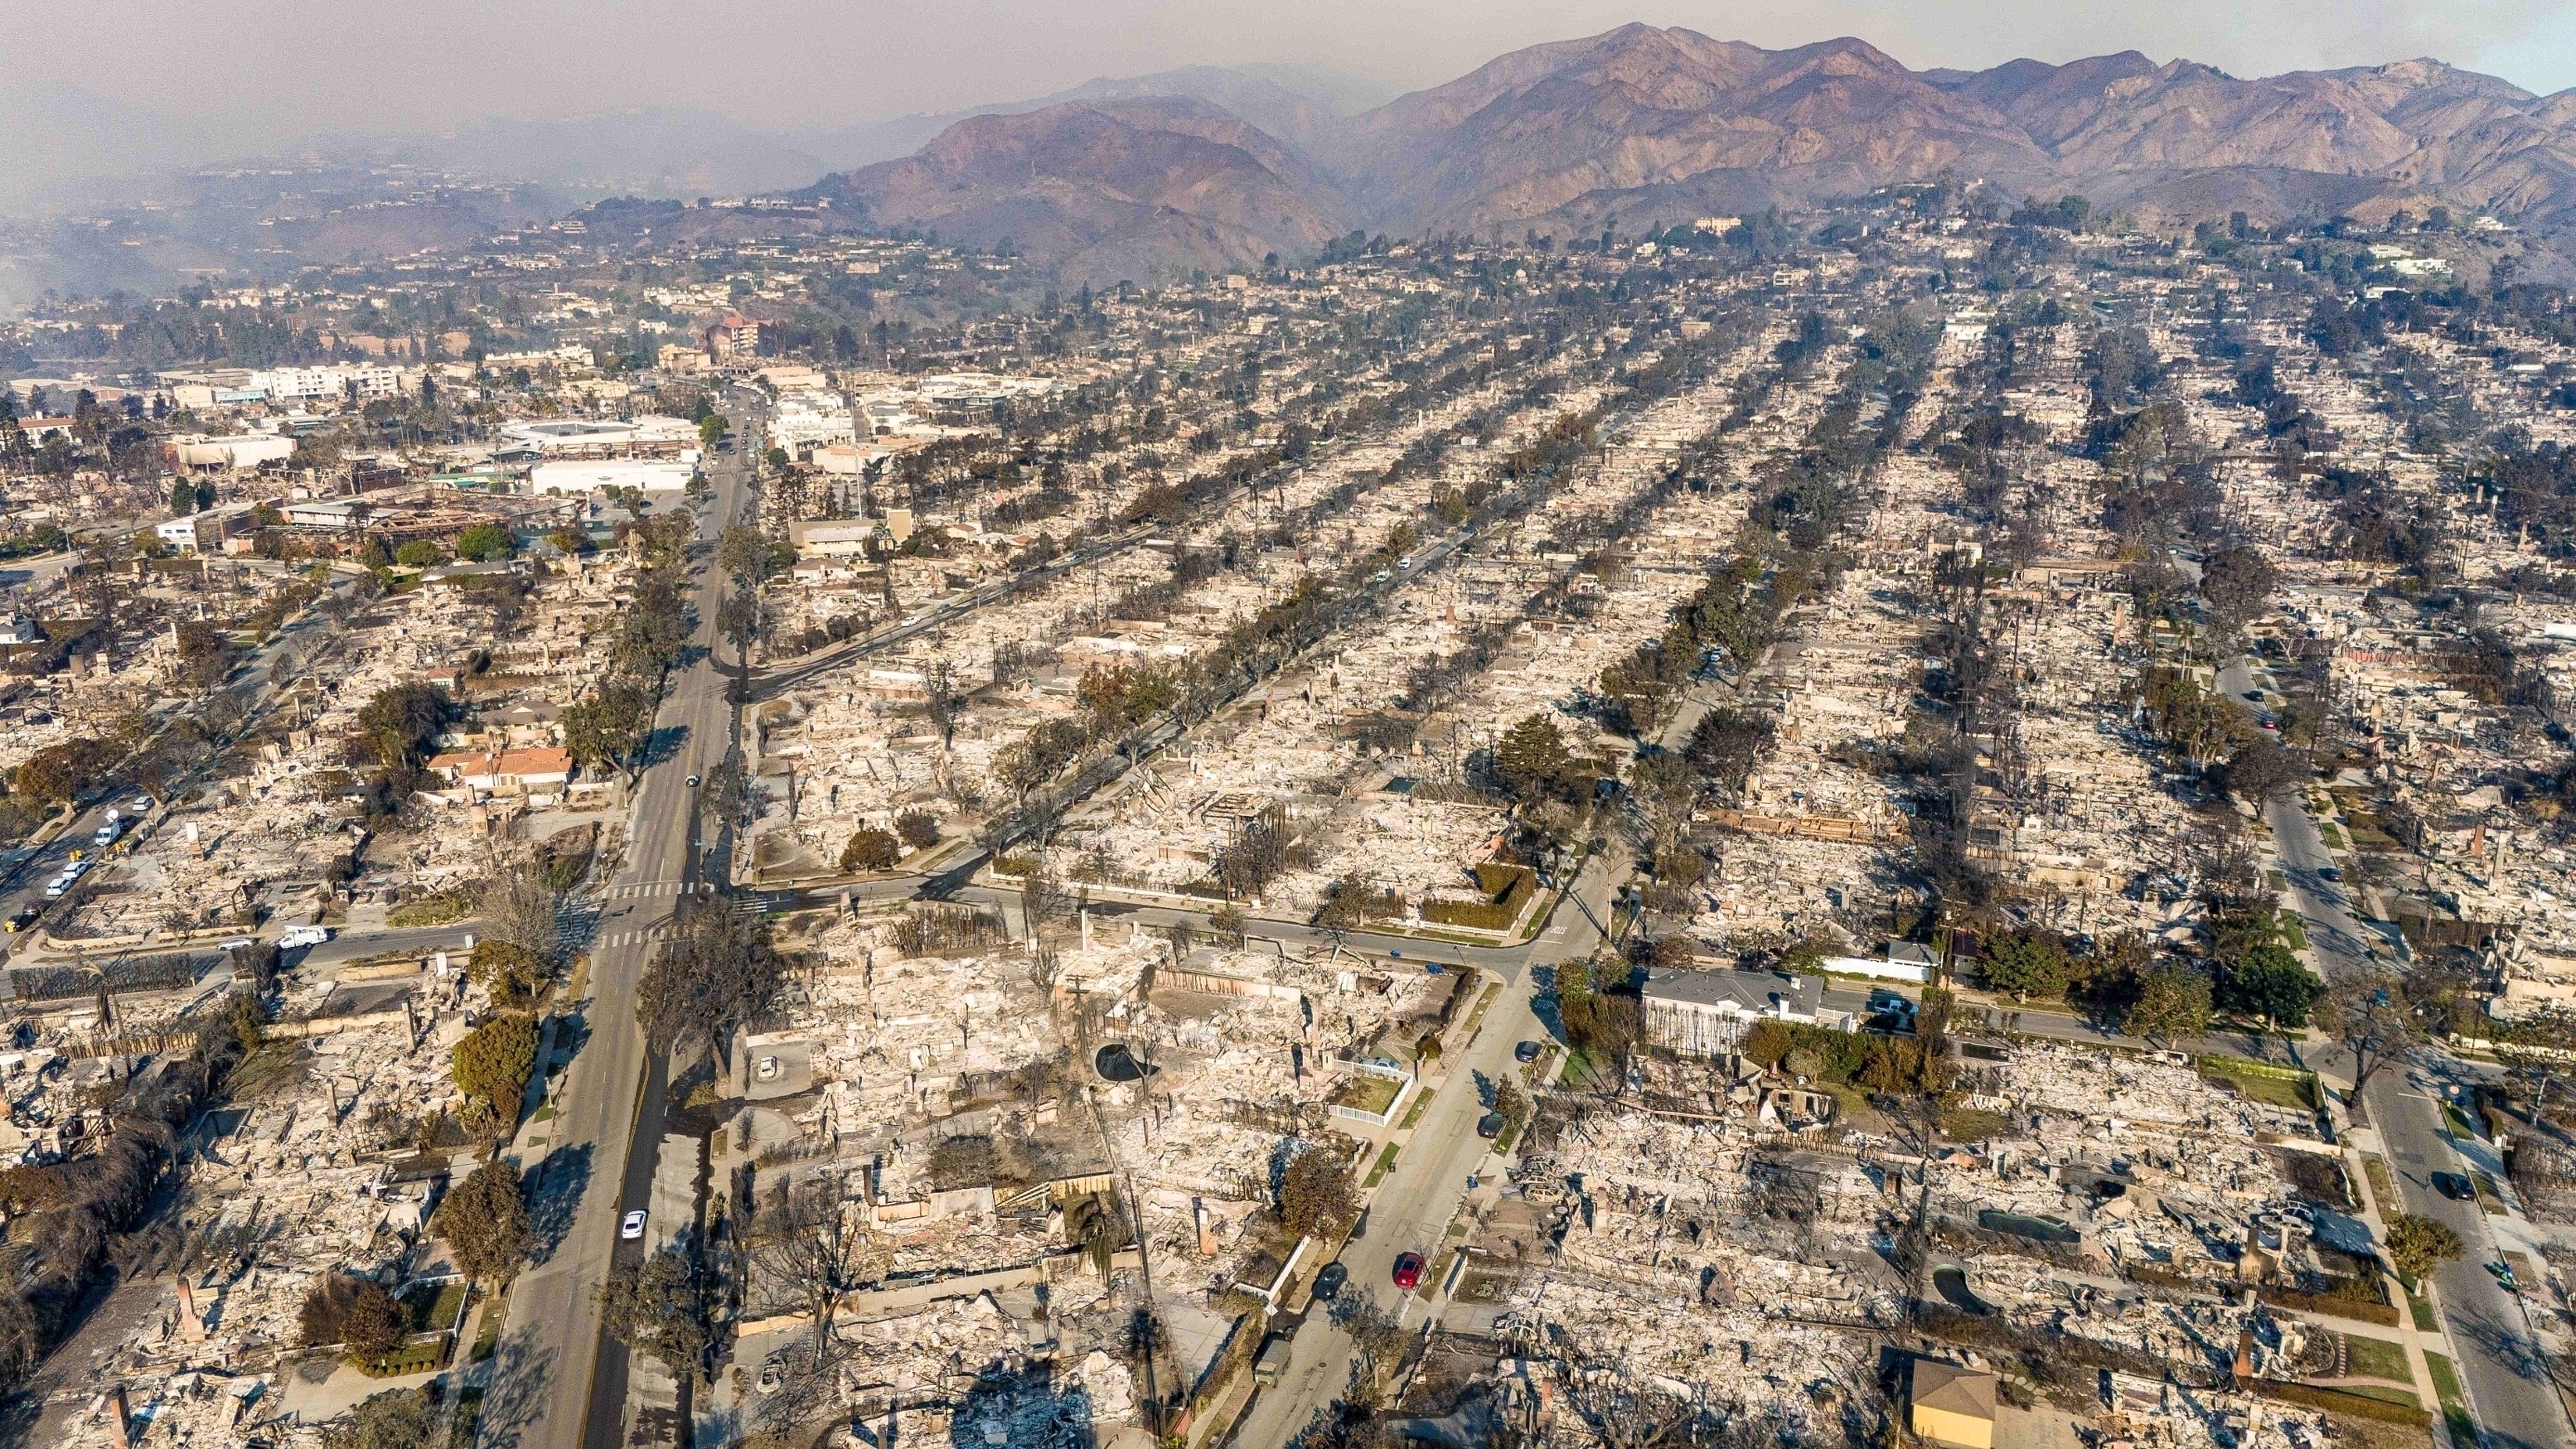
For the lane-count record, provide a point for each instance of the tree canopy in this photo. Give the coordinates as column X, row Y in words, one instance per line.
column 485, row 1220
column 494, row 1061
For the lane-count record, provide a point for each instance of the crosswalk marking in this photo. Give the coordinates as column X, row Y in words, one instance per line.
column 645, row 889
column 616, row 939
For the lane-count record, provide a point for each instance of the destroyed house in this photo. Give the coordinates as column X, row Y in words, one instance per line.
column 1706, row 1013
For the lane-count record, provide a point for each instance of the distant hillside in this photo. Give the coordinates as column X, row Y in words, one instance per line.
column 1643, row 123
column 1106, row 189
column 1305, row 106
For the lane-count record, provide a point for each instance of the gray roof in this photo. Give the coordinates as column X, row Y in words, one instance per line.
column 1752, row 992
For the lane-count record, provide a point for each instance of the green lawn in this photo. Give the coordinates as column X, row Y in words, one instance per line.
column 2488, row 1196
column 1420, row 1101
column 2383, row 1188
column 2297, row 1092
column 1385, row 1165
column 490, row 1337
column 2455, row 1404
column 2385, row 1393
column 2426, row 1320
column 435, row 911
column 1366, row 1093
column 434, row 1305
column 2377, row 1358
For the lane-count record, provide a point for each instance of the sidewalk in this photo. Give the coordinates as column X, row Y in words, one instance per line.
column 2361, row 1144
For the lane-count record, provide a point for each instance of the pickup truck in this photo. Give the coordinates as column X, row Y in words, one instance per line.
column 1273, row 1362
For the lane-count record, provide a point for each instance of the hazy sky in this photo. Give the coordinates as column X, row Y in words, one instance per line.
column 281, row 67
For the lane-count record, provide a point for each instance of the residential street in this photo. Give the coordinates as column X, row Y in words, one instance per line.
column 2500, row 1366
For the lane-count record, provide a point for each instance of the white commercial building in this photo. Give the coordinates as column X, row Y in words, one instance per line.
column 338, row 380
column 567, row 476
column 648, row 434
column 805, row 420
column 248, row 450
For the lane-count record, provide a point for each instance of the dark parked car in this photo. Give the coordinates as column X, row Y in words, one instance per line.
column 1328, row 1283
column 24, row 919
column 2454, row 1187
column 1490, row 1126
column 1527, row 1051
column 1408, row 1270
column 1359, row 1226
column 2329, row 873
column 2255, row 695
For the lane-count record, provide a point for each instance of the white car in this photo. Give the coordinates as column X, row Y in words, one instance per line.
column 140, row 804
column 56, row 886
column 631, row 1226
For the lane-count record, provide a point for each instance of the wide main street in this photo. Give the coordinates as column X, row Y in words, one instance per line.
column 556, row 1381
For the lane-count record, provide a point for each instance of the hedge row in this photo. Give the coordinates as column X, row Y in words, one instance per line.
column 2335, row 1401
column 1517, row 883
column 2383, row 1314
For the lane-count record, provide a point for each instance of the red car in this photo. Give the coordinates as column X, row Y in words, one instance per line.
column 1408, row 1270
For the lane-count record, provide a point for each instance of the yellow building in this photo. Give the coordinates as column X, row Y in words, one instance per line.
column 1953, row 1405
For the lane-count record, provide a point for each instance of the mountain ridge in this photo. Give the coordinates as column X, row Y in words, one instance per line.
column 1570, row 134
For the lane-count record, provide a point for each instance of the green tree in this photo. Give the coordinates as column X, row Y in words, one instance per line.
column 870, row 849
column 1228, row 919
column 715, row 972
column 738, row 620
column 394, row 1419
column 2172, row 1004
column 484, row 1219
column 2237, row 586
column 917, row 828
column 2025, row 964
column 2262, row 772
column 659, row 1307
column 2418, row 1245
column 398, row 724
column 1532, row 757
column 57, row 774
column 494, row 1061
column 183, row 497
column 745, row 554
column 357, row 1314
column 419, row 553
column 1345, row 906
column 513, row 973
column 2269, row 983
column 1315, row 1193
column 711, row 428
column 608, row 731
column 485, row 542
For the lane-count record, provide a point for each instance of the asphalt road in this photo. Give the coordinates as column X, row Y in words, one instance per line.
column 2499, row 1360
column 556, row 1380
column 767, row 682
column 1412, row 1209
column 25, row 873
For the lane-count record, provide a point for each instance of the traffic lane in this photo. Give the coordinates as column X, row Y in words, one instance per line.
column 557, row 1361
column 455, row 937
column 605, row 1418
column 1411, row 1212
column 23, row 881
column 665, row 850
column 2499, row 1361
